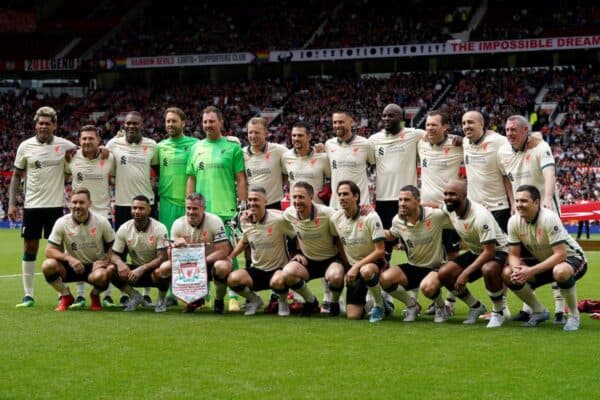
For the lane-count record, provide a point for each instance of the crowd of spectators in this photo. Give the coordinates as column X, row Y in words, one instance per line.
column 497, row 94
column 514, row 19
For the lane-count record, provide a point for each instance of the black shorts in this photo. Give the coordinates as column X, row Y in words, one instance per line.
column 467, row 258
column 414, row 275
column 502, row 217
column 36, row 220
column 73, row 276
column 316, row 269
column 386, row 210
column 145, row 280
column 356, row 293
column 274, row 206
column 450, row 241
column 261, row 280
column 579, row 269
column 123, row 214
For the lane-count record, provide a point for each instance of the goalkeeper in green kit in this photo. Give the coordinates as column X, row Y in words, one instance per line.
column 216, row 170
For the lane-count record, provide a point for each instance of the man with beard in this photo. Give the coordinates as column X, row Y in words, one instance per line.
column 486, row 254
column 420, row 230
column 557, row 256
column 304, row 163
column 146, row 241
column 79, row 250
column 40, row 160
column 134, row 155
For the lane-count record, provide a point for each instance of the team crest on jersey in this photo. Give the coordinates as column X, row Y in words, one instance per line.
column 527, row 157
column 312, row 162
column 428, row 225
column 204, row 235
column 317, row 221
column 93, row 231
column 484, row 146
column 270, row 231
column 402, row 135
column 151, row 238
column 267, row 155
column 446, row 150
column 145, row 148
column 539, row 232
column 355, row 150
column 56, row 149
column 102, row 162
column 361, row 225
column 466, row 226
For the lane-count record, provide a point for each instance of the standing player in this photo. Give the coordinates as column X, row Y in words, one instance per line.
column 318, row 250
column 528, row 160
column 40, row 160
column 134, row 156
column 420, row 230
column 216, row 169
column 199, row 226
column 173, row 156
column 146, row 241
column 79, row 250
column 557, row 256
column 91, row 171
column 362, row 238
column 349, row 157
column 440, row 162
column 263, row 162
column 303, row 163
column 265, row 233
column 486, row 255
column 394, row 149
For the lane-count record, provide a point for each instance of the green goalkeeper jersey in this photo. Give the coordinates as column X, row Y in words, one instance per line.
column 173, row 156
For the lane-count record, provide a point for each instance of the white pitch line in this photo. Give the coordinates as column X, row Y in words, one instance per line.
column 17, row 275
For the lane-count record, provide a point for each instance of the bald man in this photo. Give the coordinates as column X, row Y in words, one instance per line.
column 394, row 149
column 486, row 254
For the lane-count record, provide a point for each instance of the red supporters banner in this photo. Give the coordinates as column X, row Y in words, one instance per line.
column 17, row 21
column 580, row 211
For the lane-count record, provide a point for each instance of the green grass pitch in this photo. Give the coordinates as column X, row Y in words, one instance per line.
column 142, row 355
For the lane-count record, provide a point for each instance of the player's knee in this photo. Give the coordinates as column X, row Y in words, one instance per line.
column 490, row 269
column 222, row 268
column 386, row 279
column 562, row 272
column 368, row 271
column 235, row 278
column 49, row 266
column 429, row 288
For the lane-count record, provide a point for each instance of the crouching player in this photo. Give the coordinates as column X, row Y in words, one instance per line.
column 145, row 239
column 486, row 255
column 362, row 238
column 199, row 226
column 318, row 252
column 558, row 257
column 79, row 251
column 264, row 231
column 420, row 230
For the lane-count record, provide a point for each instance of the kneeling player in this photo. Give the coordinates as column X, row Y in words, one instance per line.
column 318, row 255
column 265, row 233
column 199, row 226
column 145, row 239
column 362, row 239
column 558, row 257
column 79, row 250
column 420, row 229
column 485, row 257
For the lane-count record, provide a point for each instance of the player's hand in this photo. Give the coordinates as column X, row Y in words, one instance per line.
column 103, row 152
column 520, row 274
column 319, row 147
column 135, row 275
column 180, row 242
column 69, row 154
column 12, row 213
column 352, row 275
column 76, row 265
column 299, row 258
column 365, row 209
column 244, row 216
column 99, row 264
column 461, row 282
column 457, row 141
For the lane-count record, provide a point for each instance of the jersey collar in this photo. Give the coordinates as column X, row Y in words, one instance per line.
column 201, row 222
column 524, row 145
column 312, row 213
column 87, row 220
column 144, row 229
column 263, row 150
column 420, row 218
column 535, row 218
column 467, row 209
column 310, row 152
column 441, row 142
column 48, row 142
column 346, row 141
column 475, row 143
